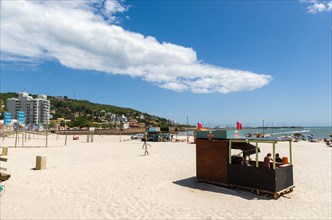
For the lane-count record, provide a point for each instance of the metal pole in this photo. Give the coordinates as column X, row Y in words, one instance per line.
column 22, row 139
column 283, row 130
column 290, row 152
column 229, row 152
column 273, row 156
column 263, row 127
column 256, row 154
column 66, row 139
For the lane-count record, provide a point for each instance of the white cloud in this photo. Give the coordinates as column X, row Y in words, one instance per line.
column 113, row 6
column 79, row 35
column 329, row 6
column 317, row 6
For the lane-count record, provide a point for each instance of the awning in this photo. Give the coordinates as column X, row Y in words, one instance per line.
column 245, row 147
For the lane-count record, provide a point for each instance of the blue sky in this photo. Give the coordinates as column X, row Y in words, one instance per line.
column 216, row 61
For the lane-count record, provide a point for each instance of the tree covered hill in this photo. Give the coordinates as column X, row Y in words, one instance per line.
column 73, row 109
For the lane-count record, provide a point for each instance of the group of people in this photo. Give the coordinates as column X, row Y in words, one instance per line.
column 328, row 142
column 268, row 159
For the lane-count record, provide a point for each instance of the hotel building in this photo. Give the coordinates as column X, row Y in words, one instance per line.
column 36, row 110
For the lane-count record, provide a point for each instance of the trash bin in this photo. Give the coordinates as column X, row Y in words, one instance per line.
column 285, row 160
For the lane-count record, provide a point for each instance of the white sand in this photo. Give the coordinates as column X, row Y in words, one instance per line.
column 109, row 179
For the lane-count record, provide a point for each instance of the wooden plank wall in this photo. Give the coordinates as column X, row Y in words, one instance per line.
column 212, row 160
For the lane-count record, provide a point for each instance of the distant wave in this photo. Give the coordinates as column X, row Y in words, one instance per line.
column 292, row 132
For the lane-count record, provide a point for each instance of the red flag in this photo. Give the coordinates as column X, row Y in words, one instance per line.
column 199, row 125
column 238, row 125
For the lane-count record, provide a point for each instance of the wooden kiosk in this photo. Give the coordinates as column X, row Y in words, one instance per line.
column 215, row 163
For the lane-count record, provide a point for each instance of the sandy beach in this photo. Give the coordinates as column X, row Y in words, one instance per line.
column 109, row 179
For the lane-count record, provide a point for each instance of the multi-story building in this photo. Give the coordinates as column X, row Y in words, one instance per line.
column 36, row 110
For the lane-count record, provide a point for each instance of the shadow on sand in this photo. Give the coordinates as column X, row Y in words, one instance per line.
column 245, row 194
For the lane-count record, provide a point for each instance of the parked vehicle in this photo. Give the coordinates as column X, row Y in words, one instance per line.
column 137, row 136
column 152, row 136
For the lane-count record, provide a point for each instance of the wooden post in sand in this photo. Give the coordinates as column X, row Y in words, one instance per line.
column 16, row 138
column 40, row 163
column 46, row 134
column 91, row 136
column 22, row 139
column 66, row 139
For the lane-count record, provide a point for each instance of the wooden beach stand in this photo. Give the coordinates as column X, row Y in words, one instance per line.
column 216, row 165
column 3, row 158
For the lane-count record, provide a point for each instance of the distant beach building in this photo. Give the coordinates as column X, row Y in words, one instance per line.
column 123, row 118
column 37, row 110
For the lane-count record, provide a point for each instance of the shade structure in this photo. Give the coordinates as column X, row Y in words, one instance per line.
column 216, row 165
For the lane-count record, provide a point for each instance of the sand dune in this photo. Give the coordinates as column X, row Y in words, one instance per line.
column 109, row 179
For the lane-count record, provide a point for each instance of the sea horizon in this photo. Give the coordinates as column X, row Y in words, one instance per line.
column 318, row 132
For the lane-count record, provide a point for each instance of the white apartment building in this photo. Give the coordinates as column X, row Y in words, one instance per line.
column 36, row 110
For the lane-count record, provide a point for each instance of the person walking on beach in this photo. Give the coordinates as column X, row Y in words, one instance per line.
column 145, row 146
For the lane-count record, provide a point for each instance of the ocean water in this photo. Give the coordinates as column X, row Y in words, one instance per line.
column 319, row 132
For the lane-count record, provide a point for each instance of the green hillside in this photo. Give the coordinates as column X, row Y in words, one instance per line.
column 83, row 110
